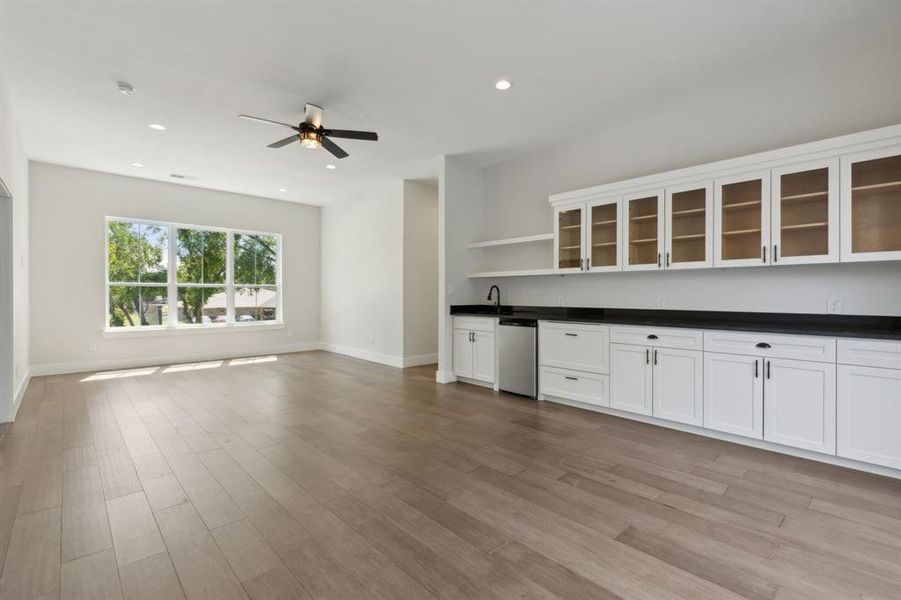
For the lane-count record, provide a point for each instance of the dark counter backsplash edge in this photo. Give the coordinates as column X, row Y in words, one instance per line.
column 872, row 326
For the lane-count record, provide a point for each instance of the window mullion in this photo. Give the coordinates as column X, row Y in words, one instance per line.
column 230, row 278
column 172, row 284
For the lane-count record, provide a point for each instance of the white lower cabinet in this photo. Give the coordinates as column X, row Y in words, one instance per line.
column 474, row 354
column 631, row 378
column 590, row 388
column 733, row 394
column 678, row 385
column 463, row 353
column 483, row 356
column 799, row 404
column 869, row 415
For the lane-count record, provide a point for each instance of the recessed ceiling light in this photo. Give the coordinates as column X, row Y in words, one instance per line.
column 330, row 166
column 157, row 127
column 283, row 189
column 125, row 88
column 502, row 84
column 139, row 165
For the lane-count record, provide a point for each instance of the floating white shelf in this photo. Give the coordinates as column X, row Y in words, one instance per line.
column 526, row 239
column 521, row 273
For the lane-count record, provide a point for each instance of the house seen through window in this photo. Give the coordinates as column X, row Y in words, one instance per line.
column 163, row 275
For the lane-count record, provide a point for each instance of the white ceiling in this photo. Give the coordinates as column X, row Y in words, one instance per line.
column 420, row 73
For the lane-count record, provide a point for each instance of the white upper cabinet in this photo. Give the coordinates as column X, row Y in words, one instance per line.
column 689, row 226
column 603, row 246
column 742, row 220
column 569, row 238
column 871, row 205
column 643, row 230
column 805, row 207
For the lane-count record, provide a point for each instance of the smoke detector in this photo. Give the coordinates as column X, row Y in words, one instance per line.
column 125, row 88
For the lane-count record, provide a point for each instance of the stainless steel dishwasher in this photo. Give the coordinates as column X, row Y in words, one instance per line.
column 518, row 356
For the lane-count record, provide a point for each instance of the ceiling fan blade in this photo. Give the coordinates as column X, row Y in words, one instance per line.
column 334, row 148
column 312, row 115
column 283, row 142
column 352, row 135
column 262, row 120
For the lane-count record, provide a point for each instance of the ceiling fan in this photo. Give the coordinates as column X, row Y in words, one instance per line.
column 311, row 133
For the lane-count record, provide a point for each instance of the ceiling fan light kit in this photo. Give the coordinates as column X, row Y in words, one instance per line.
column 312, row 134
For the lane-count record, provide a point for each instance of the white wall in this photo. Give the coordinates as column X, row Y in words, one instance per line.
column 420, row 271
column 14, row 369
column 362, row 274
column 460, row 205
column 68, row 207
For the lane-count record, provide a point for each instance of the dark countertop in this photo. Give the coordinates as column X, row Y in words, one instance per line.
column 861, row 326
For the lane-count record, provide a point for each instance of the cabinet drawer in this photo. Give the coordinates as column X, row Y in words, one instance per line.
column 590, row 388
column 475, row 323
column 574, row 346
column 659, row 337
column 773, row 345
column 870, row 353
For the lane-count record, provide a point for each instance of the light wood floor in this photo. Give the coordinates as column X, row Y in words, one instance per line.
column 318, row 476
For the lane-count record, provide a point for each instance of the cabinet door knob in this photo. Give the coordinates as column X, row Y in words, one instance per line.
column 763, row 345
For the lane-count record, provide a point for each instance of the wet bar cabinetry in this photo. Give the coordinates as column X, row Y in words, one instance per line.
column 838, row 200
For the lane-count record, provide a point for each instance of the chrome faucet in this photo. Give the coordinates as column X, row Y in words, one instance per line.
column 497, row 302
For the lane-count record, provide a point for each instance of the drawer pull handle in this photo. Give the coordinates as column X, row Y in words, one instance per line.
column 572, row 378
column 652, row 337
column 763, row 345
column 572, row 334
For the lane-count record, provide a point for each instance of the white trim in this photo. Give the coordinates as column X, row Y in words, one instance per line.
column 420, row 359
column 19, row 395
column 154, row 330
column 7, row 275
column 445, row 377
column 384, row 359
column 736, row 439
column 168, row 359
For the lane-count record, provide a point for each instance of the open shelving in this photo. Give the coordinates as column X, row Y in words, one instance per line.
column 525, row 239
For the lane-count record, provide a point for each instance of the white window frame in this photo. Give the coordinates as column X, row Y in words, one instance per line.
column 172, row 325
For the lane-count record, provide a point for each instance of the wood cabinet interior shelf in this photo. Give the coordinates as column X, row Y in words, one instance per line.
column 876, row 205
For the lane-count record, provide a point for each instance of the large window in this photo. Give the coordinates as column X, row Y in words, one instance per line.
column 163, row 275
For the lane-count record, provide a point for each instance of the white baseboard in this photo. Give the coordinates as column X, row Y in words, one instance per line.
column 445, row 377
column 17, row 397
column 735, row 439
column 421, row 359
column 384, row 359
column 150, row 361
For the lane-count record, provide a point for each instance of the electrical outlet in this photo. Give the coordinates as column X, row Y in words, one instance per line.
column 834, row 306
column 661, row 302
column 450, row 291
column 561, row 301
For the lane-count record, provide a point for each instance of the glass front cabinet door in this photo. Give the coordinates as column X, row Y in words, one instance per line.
column 643, row 230
column 603, row 232
column 805, row 213
column 569, row 238
column 689, row 224
column 871, row 205
column 741, row 226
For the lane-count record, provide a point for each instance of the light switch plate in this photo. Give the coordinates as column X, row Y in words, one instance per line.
column 834, row 306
